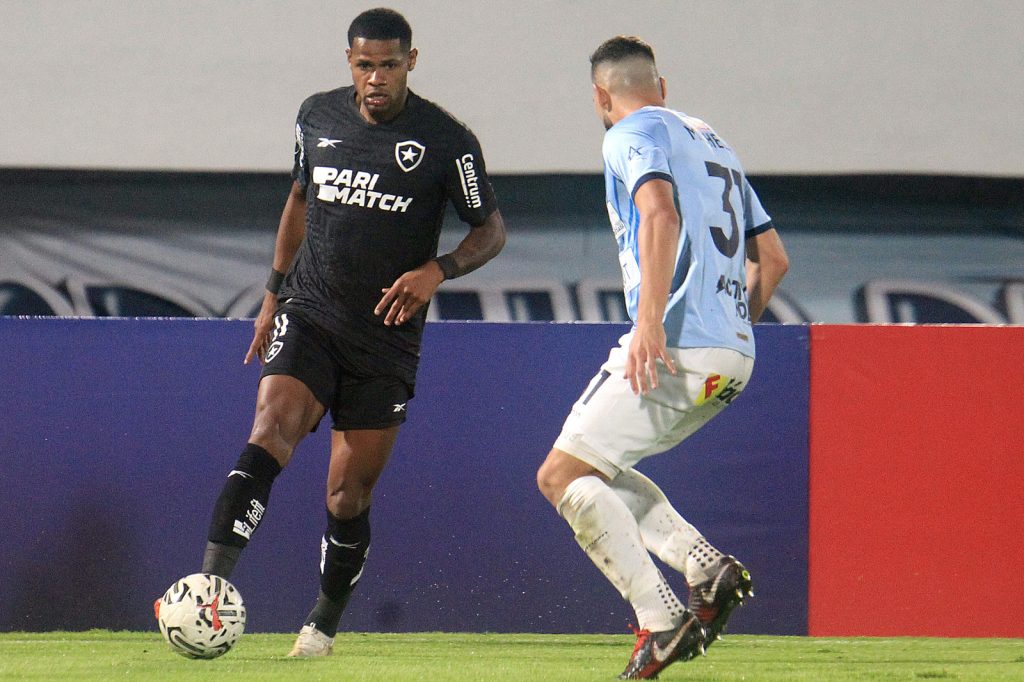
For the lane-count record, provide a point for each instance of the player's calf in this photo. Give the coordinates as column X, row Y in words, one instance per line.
column 344, row 548
column 239, row 509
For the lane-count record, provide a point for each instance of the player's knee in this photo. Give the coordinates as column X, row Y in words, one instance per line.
column 347, row 500
column 279, row 426
column 549, row 483
column 276, row 433
column 269, row 439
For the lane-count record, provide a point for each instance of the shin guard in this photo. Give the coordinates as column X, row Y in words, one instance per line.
column 243, row 500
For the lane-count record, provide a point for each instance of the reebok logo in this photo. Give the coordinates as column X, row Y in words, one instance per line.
column 468, row 178
column 327, row 142
column 398, row 407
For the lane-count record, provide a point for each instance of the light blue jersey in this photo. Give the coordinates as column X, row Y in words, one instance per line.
column 707, row 304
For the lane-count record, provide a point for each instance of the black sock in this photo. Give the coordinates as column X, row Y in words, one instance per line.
column 343, row 551
column 239, row 509
column 220, row 559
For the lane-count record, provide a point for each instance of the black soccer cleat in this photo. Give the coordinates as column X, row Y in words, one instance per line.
column 654, row 651
column 713, row 601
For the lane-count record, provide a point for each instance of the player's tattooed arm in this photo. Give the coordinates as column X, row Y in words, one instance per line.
column 483, row 243
column 414, row 289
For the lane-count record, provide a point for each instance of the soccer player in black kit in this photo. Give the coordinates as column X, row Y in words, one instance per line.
column 354, row 267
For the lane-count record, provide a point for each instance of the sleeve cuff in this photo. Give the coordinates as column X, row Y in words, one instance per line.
column 760, row 229
column 653, row 175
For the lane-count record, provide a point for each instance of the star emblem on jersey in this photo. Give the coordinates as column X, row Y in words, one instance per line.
column 408, row 154
column 327, row 142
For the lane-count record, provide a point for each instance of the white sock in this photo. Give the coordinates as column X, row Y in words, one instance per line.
column 664, row 531
column 608, row 533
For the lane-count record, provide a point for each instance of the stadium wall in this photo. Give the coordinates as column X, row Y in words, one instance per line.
column 869, row 476
column 118, row 434
column 916, row 509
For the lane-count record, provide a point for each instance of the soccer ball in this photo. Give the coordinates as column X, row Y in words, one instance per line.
column 201, row 616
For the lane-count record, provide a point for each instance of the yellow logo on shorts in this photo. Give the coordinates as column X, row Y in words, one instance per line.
column 717, row 386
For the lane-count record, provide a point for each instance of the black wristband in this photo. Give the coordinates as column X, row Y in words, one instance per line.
column 448, row 265
column 274, row 281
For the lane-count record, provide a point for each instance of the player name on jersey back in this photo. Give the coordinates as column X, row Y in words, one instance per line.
column 355, row 188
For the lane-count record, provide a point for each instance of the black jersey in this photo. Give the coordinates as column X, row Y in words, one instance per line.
column 375, row 199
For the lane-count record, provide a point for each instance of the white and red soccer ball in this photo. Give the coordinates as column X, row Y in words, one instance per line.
column 201, row 616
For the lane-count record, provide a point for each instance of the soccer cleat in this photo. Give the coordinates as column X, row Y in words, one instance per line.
column 714, row 600
column 311, row 643
column 654, row 651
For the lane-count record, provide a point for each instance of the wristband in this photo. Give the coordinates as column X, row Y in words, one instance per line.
column 448, row 265
column 274, row 281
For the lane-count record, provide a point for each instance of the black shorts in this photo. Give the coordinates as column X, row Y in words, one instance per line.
column 355, row 397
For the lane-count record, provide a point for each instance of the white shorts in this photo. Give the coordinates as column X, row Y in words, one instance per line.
column 611, row 429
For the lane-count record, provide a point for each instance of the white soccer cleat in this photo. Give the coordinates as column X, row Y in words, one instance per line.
column 311, row 643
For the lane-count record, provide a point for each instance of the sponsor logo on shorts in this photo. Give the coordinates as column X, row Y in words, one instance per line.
column 721, row 388
column 273, row 350
column 280, row 329
column 398, row 407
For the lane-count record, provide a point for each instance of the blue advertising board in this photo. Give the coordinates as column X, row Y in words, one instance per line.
column 117, row 435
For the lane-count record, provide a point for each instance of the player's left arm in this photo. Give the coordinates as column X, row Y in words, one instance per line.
column 414, row 289
column 767, row 264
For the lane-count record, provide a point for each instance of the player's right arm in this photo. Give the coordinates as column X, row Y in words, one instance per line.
column 657, row 238
column 290, row 232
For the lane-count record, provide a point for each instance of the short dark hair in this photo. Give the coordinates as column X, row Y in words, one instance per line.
column 619, row 48
column 381, row 23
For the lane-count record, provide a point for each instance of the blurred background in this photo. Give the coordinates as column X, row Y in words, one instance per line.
column 144, row 147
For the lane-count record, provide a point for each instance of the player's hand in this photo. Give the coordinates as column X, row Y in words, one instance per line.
column 409, row 293
column 261, row 328
column 645, row 349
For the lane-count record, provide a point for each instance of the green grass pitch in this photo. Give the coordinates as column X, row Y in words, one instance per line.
column 103, row 655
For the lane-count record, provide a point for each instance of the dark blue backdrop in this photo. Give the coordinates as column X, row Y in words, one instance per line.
column 117, row 434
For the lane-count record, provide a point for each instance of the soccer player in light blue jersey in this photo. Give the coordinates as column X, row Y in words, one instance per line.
column 699, row 259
